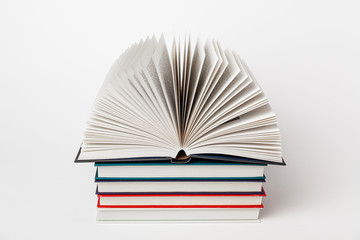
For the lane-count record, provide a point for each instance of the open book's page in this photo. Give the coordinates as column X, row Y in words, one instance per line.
column 212, row 82
column 235, row 94
column 198, row 97
column 211, row 61
column 197, row 62
column 255, row 131
column 177, row 83
column 129, row 108
column 164, row 77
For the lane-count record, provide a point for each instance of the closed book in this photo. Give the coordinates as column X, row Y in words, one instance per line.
column 193, row 169
column 179, row 186
column 181, row 199
column 179, row 213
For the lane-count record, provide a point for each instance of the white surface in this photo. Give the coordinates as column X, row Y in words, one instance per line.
column 54, row 57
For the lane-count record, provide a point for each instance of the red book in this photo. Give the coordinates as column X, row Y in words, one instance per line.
column 173, row 200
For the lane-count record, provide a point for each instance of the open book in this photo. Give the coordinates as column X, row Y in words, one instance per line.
column 193, row 99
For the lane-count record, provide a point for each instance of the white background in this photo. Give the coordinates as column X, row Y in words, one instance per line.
column 55, row 55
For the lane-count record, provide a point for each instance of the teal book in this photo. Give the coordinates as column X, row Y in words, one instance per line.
column 199, row 169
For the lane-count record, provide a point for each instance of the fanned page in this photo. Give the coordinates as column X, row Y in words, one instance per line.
column 195, row 97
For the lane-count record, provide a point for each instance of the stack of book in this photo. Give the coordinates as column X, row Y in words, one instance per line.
column 200, row 190
column 180, row 135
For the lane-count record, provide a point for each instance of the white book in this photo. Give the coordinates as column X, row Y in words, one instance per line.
column 178, row 186
column 177, row 214
column 180, row 199
column 193, row 97
column 208, row 169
